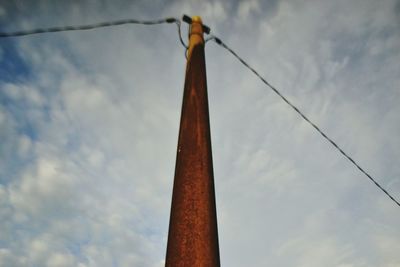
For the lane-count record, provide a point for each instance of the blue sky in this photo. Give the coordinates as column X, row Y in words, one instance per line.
column 89, row 124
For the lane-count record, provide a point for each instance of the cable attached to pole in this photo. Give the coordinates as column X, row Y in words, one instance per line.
column 97, row 26
column 304, row 117
column 217, row 40
column 88, row 27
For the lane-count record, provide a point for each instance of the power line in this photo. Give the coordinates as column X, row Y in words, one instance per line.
column 219, row 42
column 96, row 26
column 90, row 26
column 178, row 23
column 222, row 44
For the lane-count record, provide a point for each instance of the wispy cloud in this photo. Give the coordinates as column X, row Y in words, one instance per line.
column 89, row 134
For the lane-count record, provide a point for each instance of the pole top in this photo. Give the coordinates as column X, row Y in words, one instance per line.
column 189, row 20
column 196, row 34
column 197, row 19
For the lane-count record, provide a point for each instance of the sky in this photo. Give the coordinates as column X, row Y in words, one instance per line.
column 89, row 126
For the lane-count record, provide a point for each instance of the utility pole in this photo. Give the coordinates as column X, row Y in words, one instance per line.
column 193, row 233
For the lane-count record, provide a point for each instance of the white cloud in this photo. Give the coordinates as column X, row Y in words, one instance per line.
column 246, row 7
column 24, row 145
column 60, row 260
column 89, row 139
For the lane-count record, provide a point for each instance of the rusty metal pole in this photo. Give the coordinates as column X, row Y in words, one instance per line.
column 193, row 234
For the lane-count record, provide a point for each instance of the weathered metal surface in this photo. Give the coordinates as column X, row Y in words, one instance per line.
column 193, row 234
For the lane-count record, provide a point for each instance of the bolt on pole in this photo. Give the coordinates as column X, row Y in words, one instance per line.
column 193, row 232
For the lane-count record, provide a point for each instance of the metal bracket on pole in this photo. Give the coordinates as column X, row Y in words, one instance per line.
column 188, row 20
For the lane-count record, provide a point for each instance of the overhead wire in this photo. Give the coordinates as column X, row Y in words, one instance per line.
column 97, row 26
column 88, row 26
column 303, row 116
column 178, row 24
column 220, row 43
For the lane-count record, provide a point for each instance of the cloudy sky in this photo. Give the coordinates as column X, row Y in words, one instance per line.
column 89, row 124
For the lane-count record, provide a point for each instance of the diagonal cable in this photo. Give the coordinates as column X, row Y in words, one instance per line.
column 222, row 44
column 88, row 26
column 96, row 26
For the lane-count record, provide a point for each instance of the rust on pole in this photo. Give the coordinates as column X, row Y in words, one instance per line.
column 193, row 233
